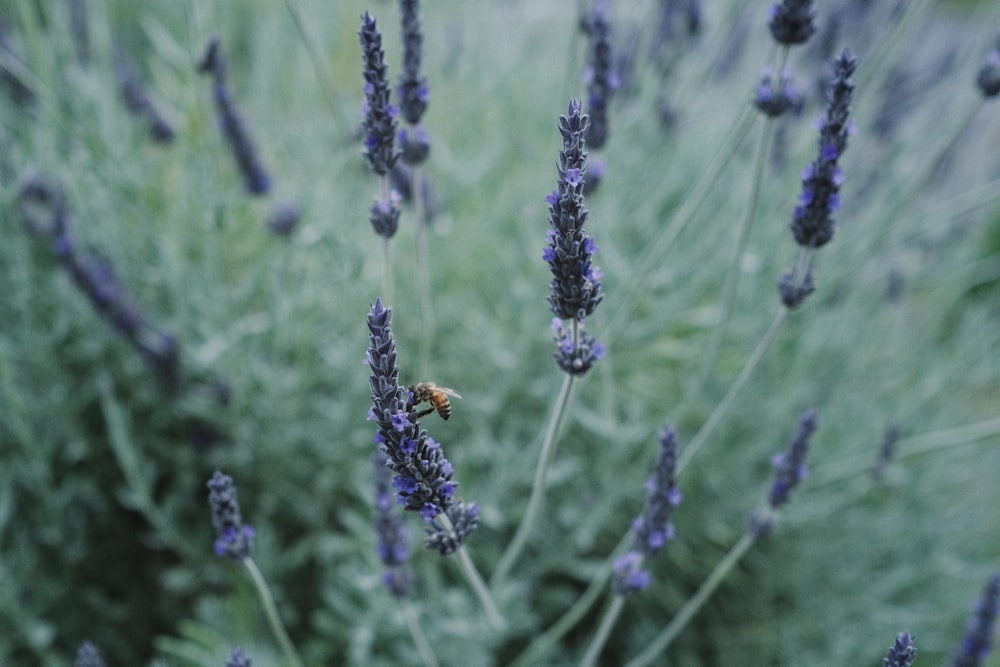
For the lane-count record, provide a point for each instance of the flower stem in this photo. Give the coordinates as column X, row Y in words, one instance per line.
column 423, row 270
column 538, row 487
column 694, row 604
column 731, row 286
column 480, row 589
column 723, row 407
column 603, row 631
column 315, row 57
column 271, row 612
column 416, row 632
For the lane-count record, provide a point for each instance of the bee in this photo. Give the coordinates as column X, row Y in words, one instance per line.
column 435, row 395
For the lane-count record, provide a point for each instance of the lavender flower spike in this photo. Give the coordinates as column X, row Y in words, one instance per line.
column 791, row 22
column 902, row 653
column 239, row 658
column 979, row 632
column 653, row 529
column 601, row 80
column 575, row 288
column 390, row 533
column 88, row 656
column 233, row 539
column 234, row 128
column 423, row 476
column 789, row 469
column 413, row 92
column 380, row 115
column 988, row 79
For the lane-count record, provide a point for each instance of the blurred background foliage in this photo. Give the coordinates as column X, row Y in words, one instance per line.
column 104, row 528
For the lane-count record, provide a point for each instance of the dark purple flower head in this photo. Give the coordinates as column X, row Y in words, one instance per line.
column 415, row 145
column 902, row 653
column 463, row 519
column 238, row 658
column 423, row 476
column 233, row 539
column 601, row 79
column 390, row 533
column 978, row 639
column 137, row 99
column 574, row 293
column 283, row 219
column 380, row 115
column 773, row 98
column 653, row 529
column 384, row 215
column 988, row 79
column 234, row 128
column 789, row 469
column 887, row 452
column 812, row 221
column 793, row 291
column 576, row 355
column 792, row 21
column 88, row 656
column 413, row 92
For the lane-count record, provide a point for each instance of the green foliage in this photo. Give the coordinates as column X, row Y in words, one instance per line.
column 104, row 526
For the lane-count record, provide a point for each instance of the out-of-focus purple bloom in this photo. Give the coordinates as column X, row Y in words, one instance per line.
column 653, row 529
column 390, row 533
column 233, row 539
column 602, row 81
column 238, row 658
column 384, row 215
column 774, row 98
column 283, row 219
column 380, row 115
column 887, row 451
column 88, row 656
column 413, row 92
column 234, row 128
column 137, row 99
column 978, row 639
column 902, row 653
column 988, row 78
column 792, row 21
column 789, row 469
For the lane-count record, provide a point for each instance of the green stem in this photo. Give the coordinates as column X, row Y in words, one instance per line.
column 603, row 631
column 314, row 55
column 653, row 256
column 538, row 487
column 271, row 612
column 723, row 407
column 416, row 632
column 423, row 270
column 732, row 283
column 694, row 604
column 543, row 644
column 480, row 589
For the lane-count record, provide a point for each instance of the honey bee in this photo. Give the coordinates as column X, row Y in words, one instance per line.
column 435, row 395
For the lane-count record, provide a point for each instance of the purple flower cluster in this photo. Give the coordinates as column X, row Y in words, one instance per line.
column 902, row 653
column 43, row 212
column 380, row 115
column 653, row 529
column 601, row 79
column 773, row 98
column 233, row 539
column 988, row 78
column 575, row 288
column 978, row 638
column 812, row 221
column 88, row 656
column 234, row 128
column 789, row 469
column 238, row 658
column 423, row 476
column 390, row 533
column 792, row 22
column 137, row 99
column 413, row 92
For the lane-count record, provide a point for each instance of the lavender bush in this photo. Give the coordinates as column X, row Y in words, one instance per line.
column 103, row 515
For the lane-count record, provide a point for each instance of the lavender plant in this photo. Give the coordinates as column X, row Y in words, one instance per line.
column 978, row 639
column 902, row 653
column 239, row 658
column 88, row 656
column 234, row 128
column 138, row 101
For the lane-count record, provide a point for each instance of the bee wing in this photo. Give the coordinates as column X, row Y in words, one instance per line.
column 450, row 392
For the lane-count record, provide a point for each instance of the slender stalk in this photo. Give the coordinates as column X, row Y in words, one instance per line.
column 538, row 486
column 653, row 255
column 480, row 589
column 271, row 612
column 731, row 286
column 694, row 604
column 423, row 268
column 386, row 271
column 416, row 632
column 603, row 631
column 544, row 643
column 723, row 407
column 314, row 54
